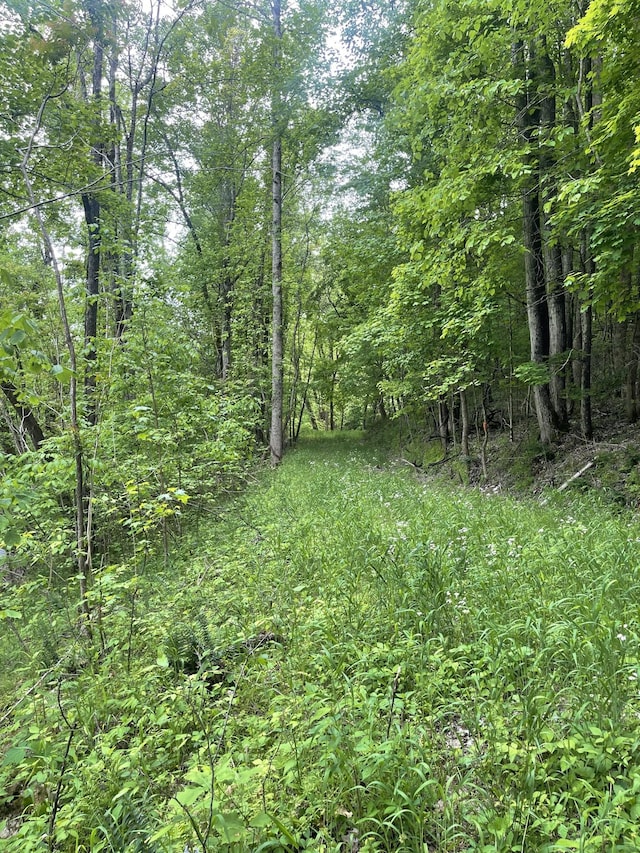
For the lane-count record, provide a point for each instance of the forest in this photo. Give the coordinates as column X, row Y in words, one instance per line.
column 319, row 391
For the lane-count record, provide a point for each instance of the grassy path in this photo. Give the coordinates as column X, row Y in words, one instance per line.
column 454, row 671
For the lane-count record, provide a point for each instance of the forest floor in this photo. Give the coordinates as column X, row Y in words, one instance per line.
column 343, row 658
column 608, row 465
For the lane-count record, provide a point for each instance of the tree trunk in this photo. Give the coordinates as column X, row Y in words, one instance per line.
column 91, row 205
column 83, row 543
column 576, row 344
column 312, row 417
column 528, row 122
column 443, row 421
column 631, row 384
column 537, row 311
column 227, row 288
column 28, row 420
column 586, row 425
column 551, row 250
column 92, row 219
column 277, row 346
column 15, row 434
column 464, row 418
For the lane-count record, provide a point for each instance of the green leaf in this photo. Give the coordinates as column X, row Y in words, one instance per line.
column 188, row 796
column 14, row 755
column 286, row 832
column 532, row 373
column 10, row 614
column 11, row 537
column 61, row 373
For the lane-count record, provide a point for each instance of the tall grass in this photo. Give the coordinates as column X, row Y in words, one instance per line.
column 454, row 670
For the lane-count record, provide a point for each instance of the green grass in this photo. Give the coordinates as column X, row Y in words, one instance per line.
column 454, row 671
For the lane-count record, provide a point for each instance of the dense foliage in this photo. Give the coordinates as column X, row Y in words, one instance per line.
column 225, row 223
column 344, row 659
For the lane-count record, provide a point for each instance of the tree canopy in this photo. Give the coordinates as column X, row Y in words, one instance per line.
column 221, row 221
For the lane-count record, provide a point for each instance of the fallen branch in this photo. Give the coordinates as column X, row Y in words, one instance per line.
column 6, row 716
column 419, row 467
column 576, row 475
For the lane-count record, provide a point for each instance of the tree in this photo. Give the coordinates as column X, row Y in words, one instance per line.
column 276, row 435
column 471, row 69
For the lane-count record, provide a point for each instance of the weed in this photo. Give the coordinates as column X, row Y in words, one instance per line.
column 438, row 670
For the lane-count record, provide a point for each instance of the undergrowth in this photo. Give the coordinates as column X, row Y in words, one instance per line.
column 342, row 659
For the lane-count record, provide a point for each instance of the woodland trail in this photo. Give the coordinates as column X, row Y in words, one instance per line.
column 442, row 670
column 450, row 657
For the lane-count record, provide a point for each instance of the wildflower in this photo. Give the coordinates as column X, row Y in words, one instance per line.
column 621, row 637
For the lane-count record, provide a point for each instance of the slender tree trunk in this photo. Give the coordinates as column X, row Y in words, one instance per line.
column 576, row 344
column 537, row 311
column 83, row 546
column 631, row 384
column 585, row 387
column 225, row 336
column 464, row 418
column 297, row 349
column 92, row 219
column 551, row 250
column 485, row 441
column 528, row 122
column 312, row 417
column 91, row 205
column 443, row 422
column 569, row 322
column 277, row 346
column 332, row 405
column 16, row 433
column 306, row 391
column 28, row 420
column 586, row 335
column 510, row 404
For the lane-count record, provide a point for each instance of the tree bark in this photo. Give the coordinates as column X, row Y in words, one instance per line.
column 443, row 425
column 91, row 205
column 585, row 387
column 277, row 346
column 528, row 117
column 27, row 418
column 225, row 335
column 464, row 418
column 551, row 250
column 631, row 384
column 92, row 219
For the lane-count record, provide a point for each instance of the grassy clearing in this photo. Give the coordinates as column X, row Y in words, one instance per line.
column 381, row 667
